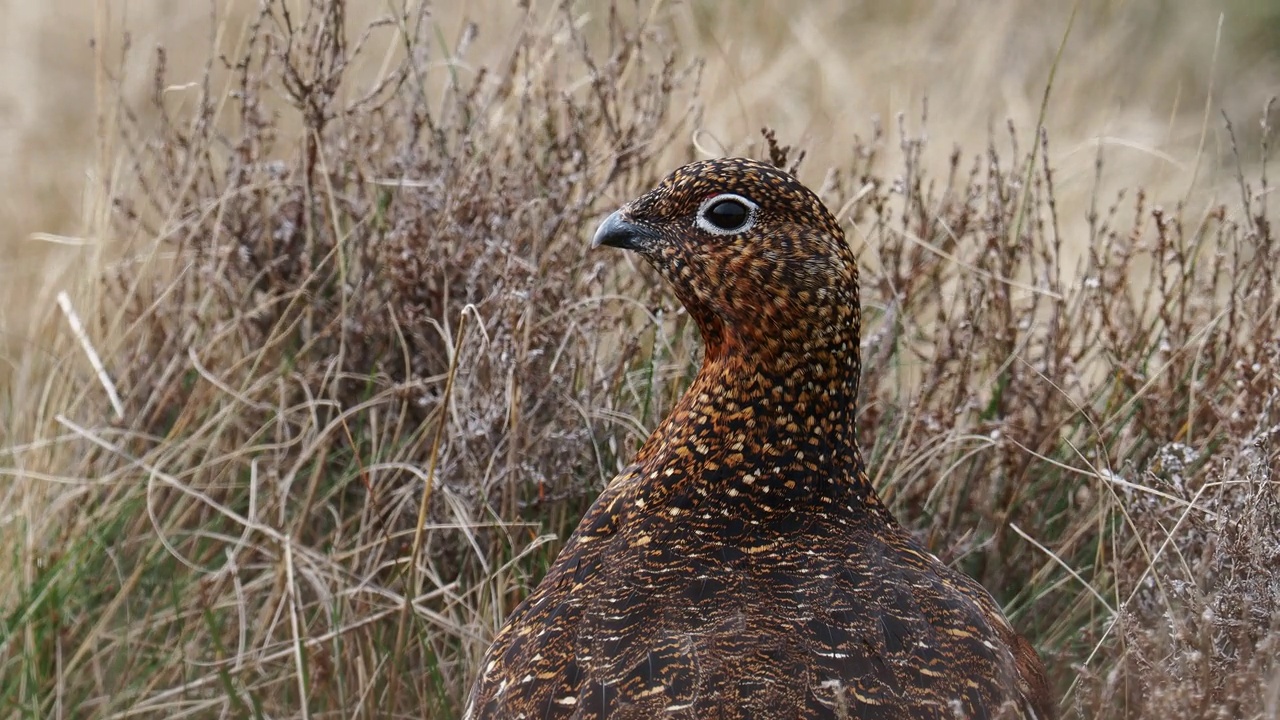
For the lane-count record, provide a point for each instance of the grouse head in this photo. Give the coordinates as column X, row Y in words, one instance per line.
column 751, row 253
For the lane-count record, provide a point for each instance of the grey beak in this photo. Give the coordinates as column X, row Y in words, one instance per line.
column 617, row 232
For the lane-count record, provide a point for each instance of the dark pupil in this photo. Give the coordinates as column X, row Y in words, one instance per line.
column 727, row 214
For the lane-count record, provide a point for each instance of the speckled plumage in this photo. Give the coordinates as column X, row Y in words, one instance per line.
column 742, row 565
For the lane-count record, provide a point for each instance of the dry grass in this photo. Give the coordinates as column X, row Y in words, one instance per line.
column 358, row 375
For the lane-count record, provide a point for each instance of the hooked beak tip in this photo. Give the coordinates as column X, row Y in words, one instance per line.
column 617, row 232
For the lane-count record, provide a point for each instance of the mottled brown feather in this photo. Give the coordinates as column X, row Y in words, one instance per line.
column 742, row 565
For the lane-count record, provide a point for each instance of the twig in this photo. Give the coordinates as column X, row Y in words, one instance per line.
column 77, row 329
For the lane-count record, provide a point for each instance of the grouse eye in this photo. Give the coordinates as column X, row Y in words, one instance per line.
column 726, row 214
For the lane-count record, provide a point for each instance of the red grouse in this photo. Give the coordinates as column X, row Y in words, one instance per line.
column 742, row 566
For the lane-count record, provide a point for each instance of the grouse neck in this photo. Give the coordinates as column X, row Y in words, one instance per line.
column 793, row 396
column 802, row 373
column 766, row 428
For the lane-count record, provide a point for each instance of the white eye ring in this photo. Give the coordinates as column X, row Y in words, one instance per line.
column 706, row 225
